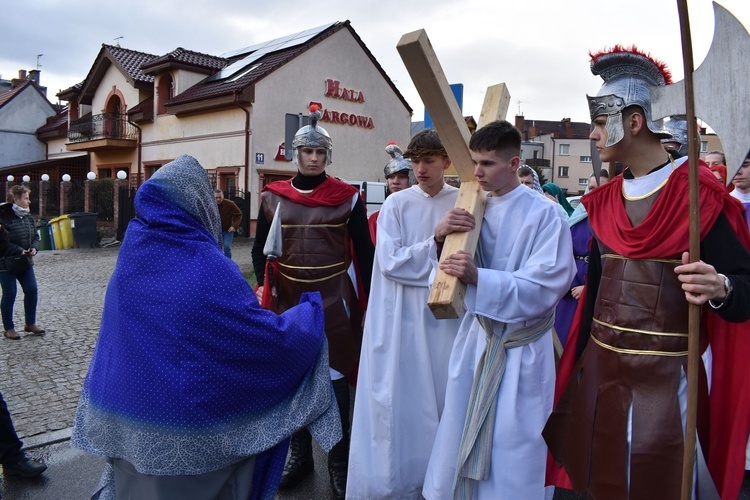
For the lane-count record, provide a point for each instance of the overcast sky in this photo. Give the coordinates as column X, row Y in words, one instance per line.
column 539, row 48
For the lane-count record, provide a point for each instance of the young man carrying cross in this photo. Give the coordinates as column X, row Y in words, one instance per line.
column 502, row 367
column 403, row 366
column 618, row 426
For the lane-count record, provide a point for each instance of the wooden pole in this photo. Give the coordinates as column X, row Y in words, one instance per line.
column 688, row 460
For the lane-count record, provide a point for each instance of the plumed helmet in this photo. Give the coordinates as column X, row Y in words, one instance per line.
column 313, row 136
column 628, row 76
column 678, row 127
column 398, row 163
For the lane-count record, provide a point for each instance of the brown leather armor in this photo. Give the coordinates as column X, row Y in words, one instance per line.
column 316, row 257
column 634, row 358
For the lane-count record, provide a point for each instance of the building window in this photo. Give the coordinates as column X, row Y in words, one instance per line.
column 583, row 181
column 105, row 173
column 564, row 149
column 562, row 171
column 585, row 159
column 166, row 92
column 704, row 147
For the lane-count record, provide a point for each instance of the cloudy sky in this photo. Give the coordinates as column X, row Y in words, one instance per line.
column 539, row 48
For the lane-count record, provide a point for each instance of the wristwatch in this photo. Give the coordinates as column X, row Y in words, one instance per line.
column 728, row 288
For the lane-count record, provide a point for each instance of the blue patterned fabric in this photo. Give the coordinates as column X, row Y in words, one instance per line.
column 189, row 374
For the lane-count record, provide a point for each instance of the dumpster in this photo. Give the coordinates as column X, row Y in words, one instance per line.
column 62, row 233
column 83, row 225
column 42, row 229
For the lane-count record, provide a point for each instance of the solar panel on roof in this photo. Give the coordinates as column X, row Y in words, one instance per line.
column 259, row 50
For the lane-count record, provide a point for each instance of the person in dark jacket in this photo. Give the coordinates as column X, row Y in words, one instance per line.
column 18, row 264
column 15, row 462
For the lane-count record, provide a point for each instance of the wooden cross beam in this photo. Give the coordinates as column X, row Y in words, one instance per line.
column 447, row 294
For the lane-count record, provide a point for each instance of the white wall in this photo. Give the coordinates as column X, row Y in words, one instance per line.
column 19, row 119
column 358, row 153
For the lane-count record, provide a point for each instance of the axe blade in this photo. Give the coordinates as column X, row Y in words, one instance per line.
column 722, row 90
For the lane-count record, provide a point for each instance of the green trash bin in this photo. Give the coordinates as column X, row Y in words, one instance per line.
column 42, row 229
column 62, row 233
column 83, row 225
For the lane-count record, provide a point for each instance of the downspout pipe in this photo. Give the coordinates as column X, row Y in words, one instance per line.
column 140, row 138
column 247, row 142
column 247, row 159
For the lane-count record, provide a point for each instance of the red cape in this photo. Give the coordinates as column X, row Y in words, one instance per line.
column 664, row 233
column 330, row 193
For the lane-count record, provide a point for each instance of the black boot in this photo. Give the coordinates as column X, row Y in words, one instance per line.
column 300, row 461
column 338, row 457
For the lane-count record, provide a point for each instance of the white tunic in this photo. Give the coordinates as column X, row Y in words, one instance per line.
column 528, row 267
column 405, row 351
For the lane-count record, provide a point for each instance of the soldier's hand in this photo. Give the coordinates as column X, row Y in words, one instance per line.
column 700, row 281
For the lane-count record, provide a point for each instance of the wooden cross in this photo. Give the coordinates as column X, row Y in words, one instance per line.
column 447, row 294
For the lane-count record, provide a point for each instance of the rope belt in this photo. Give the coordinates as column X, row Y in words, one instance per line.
column 475, row 450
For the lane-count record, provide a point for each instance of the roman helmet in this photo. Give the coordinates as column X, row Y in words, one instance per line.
column 678, row 127
column 313, row 136
column 628, row 76
column 397, row 162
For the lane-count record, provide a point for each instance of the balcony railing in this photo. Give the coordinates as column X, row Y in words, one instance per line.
column 104, row 126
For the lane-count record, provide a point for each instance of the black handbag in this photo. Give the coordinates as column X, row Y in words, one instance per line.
column 18, row 263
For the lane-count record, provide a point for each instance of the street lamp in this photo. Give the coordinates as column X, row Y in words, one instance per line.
column 66, row 178
column 45, row 177
column 26, row 178
column 10, row 178
column 91, row 176
column 122, row 174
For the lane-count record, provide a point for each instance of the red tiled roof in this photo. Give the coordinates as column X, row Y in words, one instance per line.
column 187, row 57
column 131, row 61
column 55, row 123
column 7, row 95
column 128, row 61
column 266, row 65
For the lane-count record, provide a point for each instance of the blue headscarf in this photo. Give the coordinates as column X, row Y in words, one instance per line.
column 189, row 374
column 558, row 193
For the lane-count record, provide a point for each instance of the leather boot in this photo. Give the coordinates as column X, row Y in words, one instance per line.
column 338, row 457
column 300, row 462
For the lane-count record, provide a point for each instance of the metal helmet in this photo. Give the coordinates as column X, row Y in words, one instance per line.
column 678, row 127
column 398, row 162
column 313, row 136
column 628, row 76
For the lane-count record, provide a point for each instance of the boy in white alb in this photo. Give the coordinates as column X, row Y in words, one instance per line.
column 502, row 368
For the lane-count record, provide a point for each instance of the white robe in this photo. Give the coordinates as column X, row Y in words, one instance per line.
column 528, row 267
column 405, row 352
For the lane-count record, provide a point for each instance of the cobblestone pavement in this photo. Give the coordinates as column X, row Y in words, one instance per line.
column 41, row 376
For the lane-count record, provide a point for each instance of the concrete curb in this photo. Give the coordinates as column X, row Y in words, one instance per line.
column 47, row 438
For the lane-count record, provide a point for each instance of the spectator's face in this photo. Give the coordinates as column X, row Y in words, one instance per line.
column 22, row 201
column 398, row 181
column 721, row 178
column 312, row 161
column 741, row 181
column 219, row 197
column 527, row 181
column 713, row 159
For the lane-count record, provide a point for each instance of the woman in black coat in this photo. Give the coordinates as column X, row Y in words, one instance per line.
column 17, row 264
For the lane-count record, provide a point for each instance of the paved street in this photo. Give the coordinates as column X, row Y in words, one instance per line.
column 41, row 377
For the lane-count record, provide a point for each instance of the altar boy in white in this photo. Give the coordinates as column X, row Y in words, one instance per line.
column 403, row 366
column 502, row 369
